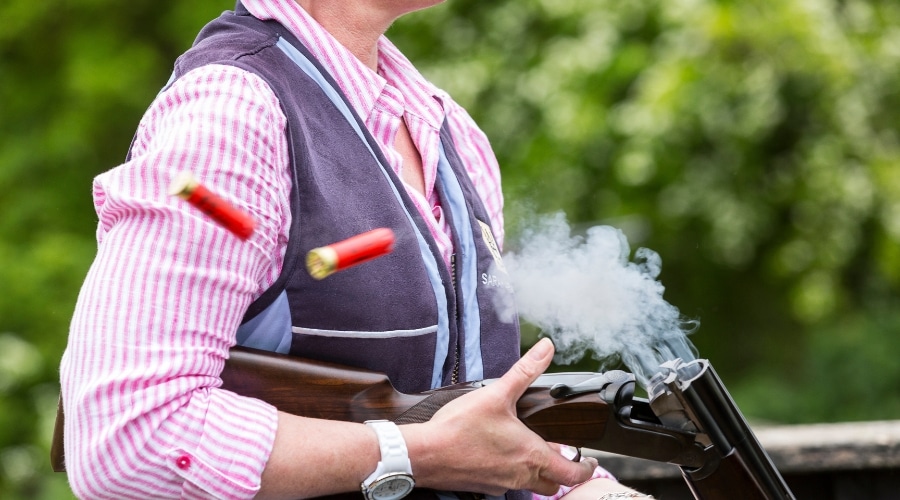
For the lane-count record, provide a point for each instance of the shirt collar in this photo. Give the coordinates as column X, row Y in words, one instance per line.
column 397, row 86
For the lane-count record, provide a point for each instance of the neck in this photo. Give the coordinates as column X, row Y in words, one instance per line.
column 357, row 25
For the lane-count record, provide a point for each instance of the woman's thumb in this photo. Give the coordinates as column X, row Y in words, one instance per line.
column 529, row 368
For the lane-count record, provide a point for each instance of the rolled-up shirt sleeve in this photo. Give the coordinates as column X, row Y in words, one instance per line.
column 159, row 308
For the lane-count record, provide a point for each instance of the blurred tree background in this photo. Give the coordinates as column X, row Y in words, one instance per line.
column 753, row 144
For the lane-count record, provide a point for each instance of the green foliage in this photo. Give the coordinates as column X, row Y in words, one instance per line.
column 753, row 144
column 850, row 365
column 75, row 78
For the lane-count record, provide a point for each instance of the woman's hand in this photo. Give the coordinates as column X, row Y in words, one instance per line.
column 477, row 443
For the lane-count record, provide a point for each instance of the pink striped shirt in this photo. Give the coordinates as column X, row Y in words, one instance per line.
column 160, row 305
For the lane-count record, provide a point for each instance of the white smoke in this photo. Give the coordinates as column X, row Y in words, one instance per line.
column 587, row 294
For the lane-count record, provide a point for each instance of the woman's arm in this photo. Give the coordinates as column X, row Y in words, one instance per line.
column 158, row 310
column 475, row 443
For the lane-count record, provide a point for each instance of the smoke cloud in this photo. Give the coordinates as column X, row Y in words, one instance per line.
column 589, row 295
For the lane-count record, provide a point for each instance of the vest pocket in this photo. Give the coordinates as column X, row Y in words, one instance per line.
column 407, row 357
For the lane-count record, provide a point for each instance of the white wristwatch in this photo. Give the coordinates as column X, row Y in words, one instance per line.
column 392, row 479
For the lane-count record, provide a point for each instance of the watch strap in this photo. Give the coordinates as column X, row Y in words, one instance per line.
column 394, row 455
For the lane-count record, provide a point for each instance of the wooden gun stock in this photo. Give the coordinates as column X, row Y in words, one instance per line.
column 322, row 390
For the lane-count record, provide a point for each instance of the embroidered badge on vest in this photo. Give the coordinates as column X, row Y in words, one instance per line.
column 488, row 235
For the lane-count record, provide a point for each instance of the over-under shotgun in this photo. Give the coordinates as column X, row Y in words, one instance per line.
column 690, row 420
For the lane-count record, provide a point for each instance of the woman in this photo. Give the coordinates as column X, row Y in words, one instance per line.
column 303, row 114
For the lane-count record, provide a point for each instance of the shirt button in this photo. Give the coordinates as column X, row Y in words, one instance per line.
column 183, row 462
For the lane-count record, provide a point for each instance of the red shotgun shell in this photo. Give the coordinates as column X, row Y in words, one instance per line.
column 324, row 261
column 237, row 221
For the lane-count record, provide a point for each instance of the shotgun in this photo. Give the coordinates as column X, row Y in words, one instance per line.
column 689, row 420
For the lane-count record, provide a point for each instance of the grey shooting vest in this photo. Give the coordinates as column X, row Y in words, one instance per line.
column 403, row 314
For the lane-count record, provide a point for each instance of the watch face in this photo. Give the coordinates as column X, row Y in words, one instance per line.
column 392, row 487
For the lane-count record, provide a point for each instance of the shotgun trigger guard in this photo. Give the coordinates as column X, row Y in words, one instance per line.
column 595, row 384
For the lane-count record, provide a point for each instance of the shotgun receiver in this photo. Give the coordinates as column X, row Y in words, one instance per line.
column 689, row 421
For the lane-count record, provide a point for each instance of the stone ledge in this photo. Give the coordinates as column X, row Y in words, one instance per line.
column 794, row 449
